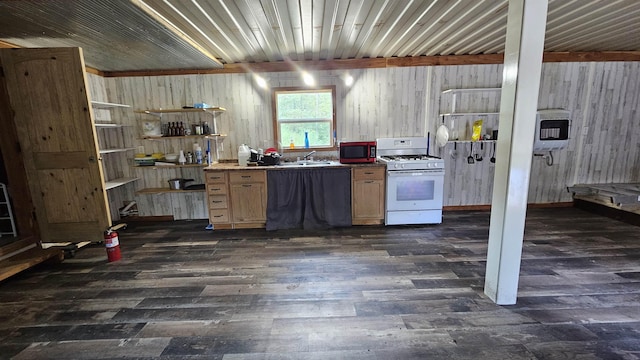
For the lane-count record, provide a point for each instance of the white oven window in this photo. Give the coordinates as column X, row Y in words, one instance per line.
column 415, row 190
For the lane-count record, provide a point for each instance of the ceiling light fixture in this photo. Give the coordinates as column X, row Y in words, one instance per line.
column 260, row 81
column 348, row 80
column 308, row 79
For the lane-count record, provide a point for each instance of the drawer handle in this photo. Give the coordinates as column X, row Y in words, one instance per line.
column 368, row 173
column 216, row 201
column 246, row 185
column 216, row 189
column 369, row 182
column 217, row 216
column 245, row 176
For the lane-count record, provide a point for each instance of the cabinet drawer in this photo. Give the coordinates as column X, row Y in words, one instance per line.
column 217, row 216
column 217, row 189
column 373, row 173
column 218, row 202
column 216, row 177
column 239, row 177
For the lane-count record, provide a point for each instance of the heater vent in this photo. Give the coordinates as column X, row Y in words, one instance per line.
column 552, row 130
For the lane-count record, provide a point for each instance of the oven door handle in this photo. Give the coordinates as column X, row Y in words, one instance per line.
column 396, row 173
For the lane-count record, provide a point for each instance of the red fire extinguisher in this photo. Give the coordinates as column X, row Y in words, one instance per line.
column 112, row 244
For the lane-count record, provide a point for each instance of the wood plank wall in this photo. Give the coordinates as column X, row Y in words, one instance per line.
column 405, row 101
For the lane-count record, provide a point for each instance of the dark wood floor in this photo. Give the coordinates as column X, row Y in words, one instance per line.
column 404, row 292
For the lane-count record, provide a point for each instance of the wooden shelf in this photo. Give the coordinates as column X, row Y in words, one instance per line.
column 106, row 105
column 158, row 112
column 183, row 137
column 110, row 151
column 154, row 167
column 112, row 184
column 149, row 191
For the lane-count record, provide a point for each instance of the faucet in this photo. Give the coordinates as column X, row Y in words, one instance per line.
column 306, row 157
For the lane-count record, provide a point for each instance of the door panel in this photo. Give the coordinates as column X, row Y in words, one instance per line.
column 54, row 120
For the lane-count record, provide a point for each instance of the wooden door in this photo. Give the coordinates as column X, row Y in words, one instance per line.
column 47, row 90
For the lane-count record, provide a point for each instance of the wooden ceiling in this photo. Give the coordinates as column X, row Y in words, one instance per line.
column 152, row 35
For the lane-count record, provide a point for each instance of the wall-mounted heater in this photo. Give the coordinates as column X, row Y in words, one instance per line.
column 552, row 130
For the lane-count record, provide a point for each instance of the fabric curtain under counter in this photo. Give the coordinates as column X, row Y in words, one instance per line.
column 308, row 198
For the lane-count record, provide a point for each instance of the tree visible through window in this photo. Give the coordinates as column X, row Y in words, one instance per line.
column 298, row 111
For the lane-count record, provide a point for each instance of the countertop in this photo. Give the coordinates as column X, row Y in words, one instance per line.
column 235, row 166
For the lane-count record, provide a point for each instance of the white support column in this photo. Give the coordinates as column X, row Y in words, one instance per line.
column 526, row 24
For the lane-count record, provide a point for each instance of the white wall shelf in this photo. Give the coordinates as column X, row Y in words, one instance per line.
column 6, row 213
column 110, row 151
column 454, row 101
column 106, row 105
column 452, row 91
column 112, row 184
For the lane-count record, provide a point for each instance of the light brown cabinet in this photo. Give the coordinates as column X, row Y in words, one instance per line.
column 218, row 199
column 248, row 192
column 367, row 195
column 237, row 198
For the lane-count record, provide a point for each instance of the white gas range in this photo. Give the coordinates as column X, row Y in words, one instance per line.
column 415, row 181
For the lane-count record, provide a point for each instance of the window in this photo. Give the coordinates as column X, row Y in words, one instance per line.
column 298, row 111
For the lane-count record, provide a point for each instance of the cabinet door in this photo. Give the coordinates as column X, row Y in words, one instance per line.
column 248, row 202
column 368, row 195
column 54, row 120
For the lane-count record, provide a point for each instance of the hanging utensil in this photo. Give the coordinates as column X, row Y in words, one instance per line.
column 470, row 159
column 493, row 157
column 479, row 155
column 454, row 152
column 442, row 134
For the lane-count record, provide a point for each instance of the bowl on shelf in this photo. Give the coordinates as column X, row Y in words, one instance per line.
column 171, row 157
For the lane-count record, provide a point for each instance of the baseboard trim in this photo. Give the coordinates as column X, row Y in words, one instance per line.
column 488, row 206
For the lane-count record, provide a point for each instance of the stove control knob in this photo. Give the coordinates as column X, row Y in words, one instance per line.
column 402, row 166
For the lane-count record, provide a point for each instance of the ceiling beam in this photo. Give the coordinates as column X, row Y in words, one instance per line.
column 346, row 64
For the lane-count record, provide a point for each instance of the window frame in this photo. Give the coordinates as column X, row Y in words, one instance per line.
column 276, row 127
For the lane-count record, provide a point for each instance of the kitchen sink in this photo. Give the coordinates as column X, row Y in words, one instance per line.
column 309, row 163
